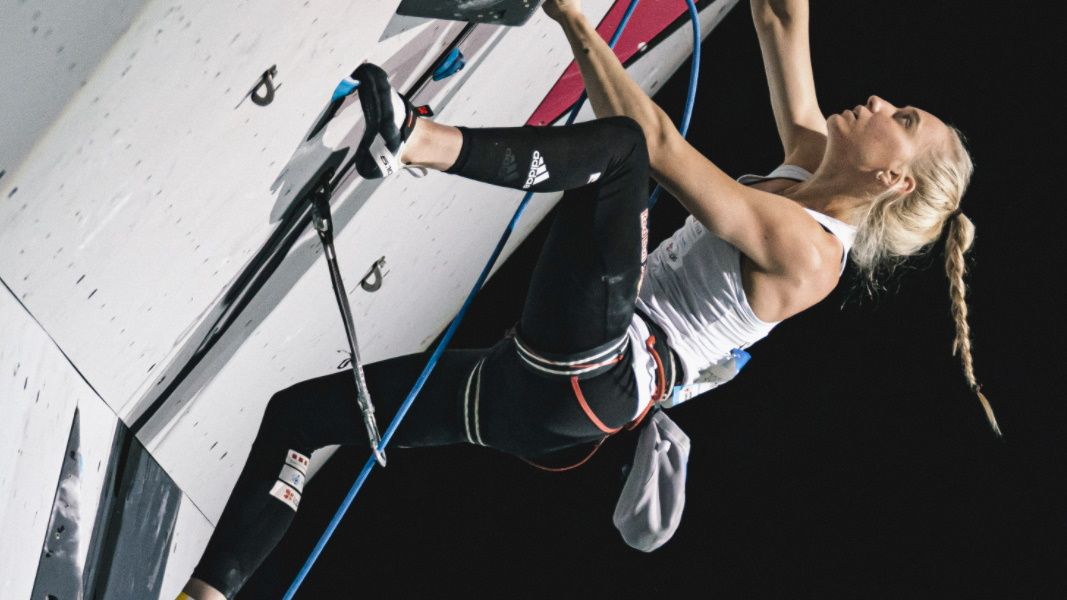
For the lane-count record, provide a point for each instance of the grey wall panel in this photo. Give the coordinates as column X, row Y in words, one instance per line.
column 191, row 533
column 138, row 516
column 114, row 536
column 48, row 50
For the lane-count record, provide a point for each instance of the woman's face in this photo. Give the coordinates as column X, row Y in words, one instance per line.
column 878, row 137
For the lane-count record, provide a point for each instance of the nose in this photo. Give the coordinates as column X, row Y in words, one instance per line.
column 876, row 103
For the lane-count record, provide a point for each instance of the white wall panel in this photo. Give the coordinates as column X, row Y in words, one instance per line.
column 134, row 213
column 149, row 193
column 39, row 391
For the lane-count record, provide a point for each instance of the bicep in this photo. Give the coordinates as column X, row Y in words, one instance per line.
column 772, row 231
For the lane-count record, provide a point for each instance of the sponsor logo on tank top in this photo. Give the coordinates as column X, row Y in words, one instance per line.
column 671, row 254
column 538, row 171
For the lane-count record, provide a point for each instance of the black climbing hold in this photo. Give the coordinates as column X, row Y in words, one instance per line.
column 500, row 12
column 373, row 280
column 266, row 82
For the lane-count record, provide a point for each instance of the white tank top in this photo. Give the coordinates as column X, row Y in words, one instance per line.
column 692, row 290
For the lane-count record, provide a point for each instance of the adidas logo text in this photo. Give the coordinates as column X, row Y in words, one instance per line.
column 538, row 170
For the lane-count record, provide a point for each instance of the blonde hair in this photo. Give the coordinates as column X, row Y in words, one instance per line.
column 894, row 226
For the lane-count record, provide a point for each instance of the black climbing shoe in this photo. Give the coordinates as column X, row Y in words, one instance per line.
column 389, row 117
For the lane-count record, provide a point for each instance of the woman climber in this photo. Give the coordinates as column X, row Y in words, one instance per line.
column 608, row 330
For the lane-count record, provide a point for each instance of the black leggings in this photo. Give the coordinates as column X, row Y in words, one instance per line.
column 581, row 298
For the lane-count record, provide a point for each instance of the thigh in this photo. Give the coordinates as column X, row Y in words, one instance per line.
column 585, row 283
column 323, row 410
column 520, row 412
column 586, row 280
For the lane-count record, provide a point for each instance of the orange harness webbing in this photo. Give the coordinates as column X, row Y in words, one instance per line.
column 661, row 388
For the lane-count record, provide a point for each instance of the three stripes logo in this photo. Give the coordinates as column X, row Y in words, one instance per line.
column 538, row 171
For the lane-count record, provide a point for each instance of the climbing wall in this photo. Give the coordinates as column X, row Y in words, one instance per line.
column 143, row 204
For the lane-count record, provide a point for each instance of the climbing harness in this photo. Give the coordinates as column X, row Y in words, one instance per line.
column 590, row 364
column 662, row 385
column 447, row 337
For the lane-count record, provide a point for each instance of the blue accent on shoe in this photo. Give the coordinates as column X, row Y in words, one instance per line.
column 452, row 63
column 346, row 87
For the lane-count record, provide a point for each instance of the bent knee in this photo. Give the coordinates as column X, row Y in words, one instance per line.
column 283, row 413
column 626, row 122
column 627, row 140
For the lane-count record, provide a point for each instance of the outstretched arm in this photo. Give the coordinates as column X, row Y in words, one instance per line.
column 770, row 230
column 782, row 27
column 611, row 90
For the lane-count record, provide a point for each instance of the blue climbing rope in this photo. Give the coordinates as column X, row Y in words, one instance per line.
column 690, row 99
column 410, row 399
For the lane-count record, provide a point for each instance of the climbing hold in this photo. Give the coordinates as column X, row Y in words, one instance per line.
column 344, row 88
column 266, row 80
column 498, row 12
column 373, row 280
column 448, row 67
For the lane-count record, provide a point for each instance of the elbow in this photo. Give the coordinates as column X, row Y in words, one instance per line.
column 661, row 139
column 769, row 14
column 663, row 144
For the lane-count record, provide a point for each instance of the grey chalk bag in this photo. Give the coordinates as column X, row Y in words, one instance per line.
column 650, row 506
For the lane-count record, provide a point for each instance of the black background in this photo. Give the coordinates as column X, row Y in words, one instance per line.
column 849, row 458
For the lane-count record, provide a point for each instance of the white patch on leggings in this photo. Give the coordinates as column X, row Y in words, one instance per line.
column 286, row 494
column 293, row 477
column 594, row 177
column 298, row 461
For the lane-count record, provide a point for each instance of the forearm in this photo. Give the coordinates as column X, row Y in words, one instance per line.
column 782, row 27
column 610, row 88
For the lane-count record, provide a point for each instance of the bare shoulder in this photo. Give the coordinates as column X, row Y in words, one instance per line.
column 778, row 295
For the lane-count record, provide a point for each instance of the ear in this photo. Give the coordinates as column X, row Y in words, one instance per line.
column 905, row 184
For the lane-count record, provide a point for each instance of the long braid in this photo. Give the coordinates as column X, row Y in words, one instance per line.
column 957, row 243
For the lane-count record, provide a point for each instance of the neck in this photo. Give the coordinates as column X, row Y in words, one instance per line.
column 829, row 195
